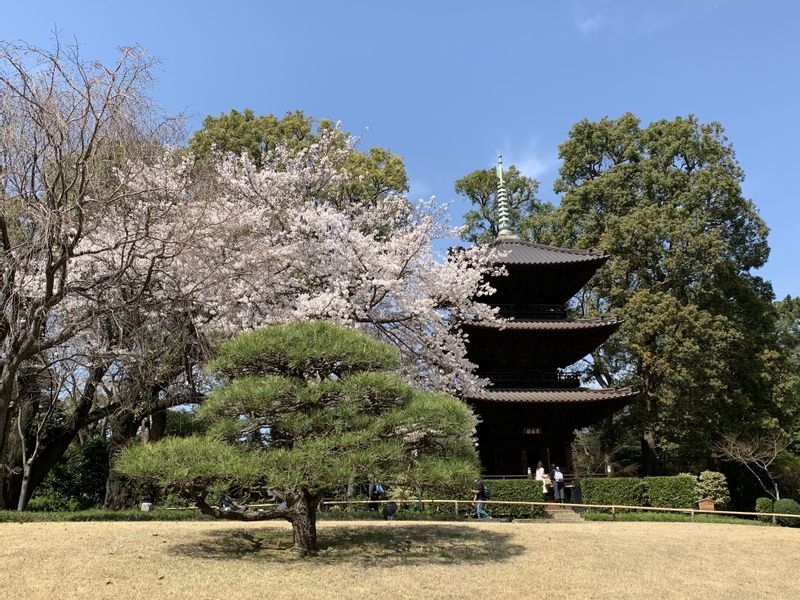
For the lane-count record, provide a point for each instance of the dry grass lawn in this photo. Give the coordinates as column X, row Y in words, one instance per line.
column 201, row 560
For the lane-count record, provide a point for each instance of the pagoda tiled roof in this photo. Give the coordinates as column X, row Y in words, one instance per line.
column 548, row 324
column 522, row 252
column 555, row 396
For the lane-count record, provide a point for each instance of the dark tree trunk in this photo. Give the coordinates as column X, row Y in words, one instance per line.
column 10, row 474
column 51, row 453
column 301, row 513
column 9, row 490
column 304, row 523
column 119, row 491
column 154, row 426
column 158, row 425
column 650, row 462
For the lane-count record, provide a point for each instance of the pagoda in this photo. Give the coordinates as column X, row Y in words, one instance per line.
column 533, row 406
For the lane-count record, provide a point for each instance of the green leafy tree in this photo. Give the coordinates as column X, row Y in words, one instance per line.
column 378, row 170
column 528, row 215
column 787, row 359
column 698, row 339
column 304, row 409
column 244, row 132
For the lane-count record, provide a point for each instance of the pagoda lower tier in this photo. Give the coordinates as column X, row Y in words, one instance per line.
column 520, row 427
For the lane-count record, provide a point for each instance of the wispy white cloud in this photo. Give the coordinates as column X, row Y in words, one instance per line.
column 419, row 189
column 535, row 165
column 646, row 18
column 531, row 160
column 594, row 17
column 587, row 24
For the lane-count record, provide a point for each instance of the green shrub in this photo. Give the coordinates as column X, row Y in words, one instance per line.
column 787, row 506
column 183, row 423
column 712, row 485
column 97, row 514
column 53, row 503
column 764, row 505
column 670, row 492
column 657, row 517
column 78, row 479
column 516, row 490
column 626, row 491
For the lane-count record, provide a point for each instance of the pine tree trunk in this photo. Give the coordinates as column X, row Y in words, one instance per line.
column 304, row 524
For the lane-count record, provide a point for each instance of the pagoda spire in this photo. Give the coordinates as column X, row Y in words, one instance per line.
column 503, row 207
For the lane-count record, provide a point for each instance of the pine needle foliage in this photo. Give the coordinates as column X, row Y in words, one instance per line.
column 302, row 409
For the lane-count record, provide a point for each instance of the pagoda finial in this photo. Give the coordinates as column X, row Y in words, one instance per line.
column 503, row 207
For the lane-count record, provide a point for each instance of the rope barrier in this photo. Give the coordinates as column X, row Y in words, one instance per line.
column 612, row 507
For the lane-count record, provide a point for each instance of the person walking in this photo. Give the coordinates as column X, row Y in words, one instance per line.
column 479, row 497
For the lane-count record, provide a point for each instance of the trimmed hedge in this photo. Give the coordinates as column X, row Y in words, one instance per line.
column 787, row 506
column 657, row 517
column 99, row 514
column 663, row 492
column 627, row 491
column 670, row 492
column 522, row 490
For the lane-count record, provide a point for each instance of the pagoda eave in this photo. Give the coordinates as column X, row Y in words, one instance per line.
column 525, row 253
column 555, row 396
column 545, row 325
column 565, row 409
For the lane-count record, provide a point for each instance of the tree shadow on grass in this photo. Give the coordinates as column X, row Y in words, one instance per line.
column 366, row 545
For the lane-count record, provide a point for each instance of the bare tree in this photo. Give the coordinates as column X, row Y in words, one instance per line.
column 757, row 454
column 85, row 242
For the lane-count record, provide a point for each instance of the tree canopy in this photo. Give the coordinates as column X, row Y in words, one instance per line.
column 122, row 255
column 527, row 214
column 374, row 173
column 305, row 408
column 698, row 340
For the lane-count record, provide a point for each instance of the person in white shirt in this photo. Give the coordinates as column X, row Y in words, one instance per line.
column 540, row 476
column 558, row 485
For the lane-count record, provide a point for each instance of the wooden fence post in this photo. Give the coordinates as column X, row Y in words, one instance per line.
column 613, row 513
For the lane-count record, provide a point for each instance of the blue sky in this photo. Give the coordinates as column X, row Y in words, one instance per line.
column 448, row 85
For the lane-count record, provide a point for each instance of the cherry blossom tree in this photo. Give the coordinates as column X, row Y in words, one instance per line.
column 121, row 253
column 84, row 245
column 283, row 250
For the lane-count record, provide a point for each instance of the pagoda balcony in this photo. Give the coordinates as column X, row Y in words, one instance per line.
column 532, row 379
column 532, row 311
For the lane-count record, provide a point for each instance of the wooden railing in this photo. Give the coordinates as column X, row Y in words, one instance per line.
column 539, row 378
column 532, row 311
column 570, row 479
column 613, row 508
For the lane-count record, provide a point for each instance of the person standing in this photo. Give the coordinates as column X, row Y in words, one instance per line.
column 540, row 476
column 558, row 485
column 479, row 497
column 375, row 492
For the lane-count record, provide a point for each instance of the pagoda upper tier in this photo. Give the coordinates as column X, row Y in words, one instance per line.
column 541, row 279
column 535, row 340
column 522, row 345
